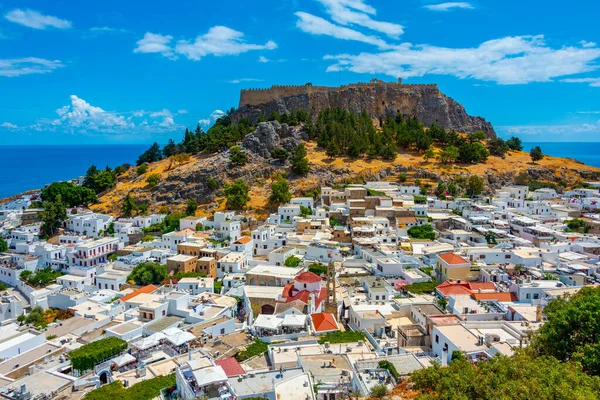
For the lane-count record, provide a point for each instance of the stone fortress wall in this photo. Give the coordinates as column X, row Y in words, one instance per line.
column 253, row 97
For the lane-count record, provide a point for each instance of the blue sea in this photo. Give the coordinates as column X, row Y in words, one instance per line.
column 32, row 166
column 587, row 153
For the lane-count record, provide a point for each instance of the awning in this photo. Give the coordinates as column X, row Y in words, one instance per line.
column 209, row 376
column 267, row 322
column 180, row 338
column 123, row 360
column 148, row 342
column 294, row 320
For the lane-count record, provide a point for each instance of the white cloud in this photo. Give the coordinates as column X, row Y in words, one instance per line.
column 594, row 82
column 36, row 20
column 155, row 43
column 263, row 59
column 356, row 12
column 586, row 44
column 509, row 60
column 29, row 65
column 8, row 125
column 241, row 80
column 182, row 111
column 214, row 116
column 588, row 112
column 575, row 133
column 218, row 41
column 79, row 116
column 449, row 5
column 318, row 26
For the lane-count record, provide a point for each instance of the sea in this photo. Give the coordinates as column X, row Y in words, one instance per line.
column 26, row 167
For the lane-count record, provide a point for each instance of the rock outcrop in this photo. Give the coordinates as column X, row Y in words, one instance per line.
column 271, row 135
column 378, row 98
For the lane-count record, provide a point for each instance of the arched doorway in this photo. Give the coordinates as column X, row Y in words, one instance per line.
column 267, row 309
column 103, row 378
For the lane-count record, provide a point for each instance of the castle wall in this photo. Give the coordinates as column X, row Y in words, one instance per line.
column 253, row 97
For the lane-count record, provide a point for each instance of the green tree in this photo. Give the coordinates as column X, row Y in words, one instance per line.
column 429, row 153
column 147, row 238
column 129, row 206
column 237, row 156
column 3, row 245
column 191, row 206
column 572, row 330
column 280, row 192
column 497, row 147
column 474, row 152
column 520, row 377
column 100, row 180
column 536, row 153
column 237, row 194
column 153, row 154
column 53, row 216
column 170, row 149
column 475, row 185
column 448, row 155
column 148, row 273
column 514, row 143
column 280, row 154
column 300, row 160
column 71, row 195
column 421, row 232
column 153, row 180
column 477, row 136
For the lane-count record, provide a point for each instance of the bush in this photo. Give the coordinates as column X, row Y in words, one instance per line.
column 147, row 238
column 280, row 192
column 85, row 357
column 191, row 206
column 70, row 194
column 142, row 169
column 212, row 184
column 237, row 195
column 536, row 153
column 148, row 273
column 421, row 232
column 318, row 269
column 238, row 156
column 385, row 364
column 420, row 288
column 379, row 391
column 292, row 261
column 145, row 390
column 342, row 337
column 256, row 348
column 153, row 180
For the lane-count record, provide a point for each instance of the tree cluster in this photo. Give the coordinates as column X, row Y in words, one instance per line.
column 148, row 273
column 70, row 194
column 100, row 180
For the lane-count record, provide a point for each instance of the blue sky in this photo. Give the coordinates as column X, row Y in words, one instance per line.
column 138, row 71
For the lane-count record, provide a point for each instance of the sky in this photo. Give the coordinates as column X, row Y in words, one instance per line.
column 82, row 72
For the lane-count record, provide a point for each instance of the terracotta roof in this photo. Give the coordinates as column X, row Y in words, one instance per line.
column 145, row 289
column 499, row 296
column 308, row 277
column 243, row 240
column 481, row 285
column 452, row 258
column 454, row 290
column 324, row 322
column 231, row 366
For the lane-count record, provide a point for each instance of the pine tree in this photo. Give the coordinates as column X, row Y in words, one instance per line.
column 300, row 160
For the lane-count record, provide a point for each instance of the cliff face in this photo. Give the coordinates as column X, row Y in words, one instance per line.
column 378, row 98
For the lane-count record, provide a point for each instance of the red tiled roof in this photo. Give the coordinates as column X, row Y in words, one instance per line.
column 231, row 366
column 243, row 240
column 287, row 290
column 324, row 322
column 145, row 289
column 303, row 296
column 322, row 296
column 452, row 259
column 499, row 296
column 308, row 277
column 481, row 285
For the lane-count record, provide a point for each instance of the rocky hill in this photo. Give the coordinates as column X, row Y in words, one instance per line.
column 378, row 98
column 193, row 178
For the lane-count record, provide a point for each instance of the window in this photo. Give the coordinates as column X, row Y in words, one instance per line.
column 222, row 331
column 164, row 313
column 437, row 339
column 528, row 296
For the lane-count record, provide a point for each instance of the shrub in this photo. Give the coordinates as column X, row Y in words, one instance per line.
column 256, row 348
column 85, row 357
column 385, row 364
column 379, row 391
column 421, row 232
column 145, row 390
column 142, row 169
column 212, row 183
column 153, row 180
column 342, row 337
column 318, row 269
column 292, row 261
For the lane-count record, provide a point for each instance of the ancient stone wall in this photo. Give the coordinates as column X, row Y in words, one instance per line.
column 256, row 96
